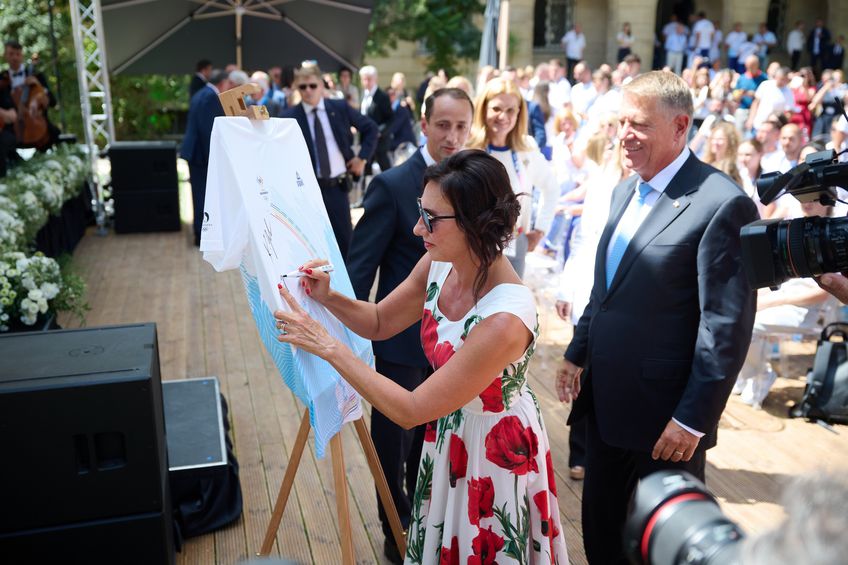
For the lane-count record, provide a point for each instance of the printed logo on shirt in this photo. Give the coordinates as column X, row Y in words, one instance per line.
column 207, row 223
column 299, row 180
column 263, row 192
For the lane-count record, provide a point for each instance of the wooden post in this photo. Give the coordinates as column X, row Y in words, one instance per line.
column 345, row 532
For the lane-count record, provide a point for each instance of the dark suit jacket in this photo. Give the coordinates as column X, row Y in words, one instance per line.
column 342, row 117
column 380, row 109
column 202, row 111
column 824, row 41
column 196, row 84
column 400, row 129
column 383, row 238
column 670, row 336
column 536, row 124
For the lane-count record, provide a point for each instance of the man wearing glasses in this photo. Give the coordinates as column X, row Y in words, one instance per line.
column 383, row 239
column 326, row 124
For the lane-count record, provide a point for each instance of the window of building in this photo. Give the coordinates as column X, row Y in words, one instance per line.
column 551, row 19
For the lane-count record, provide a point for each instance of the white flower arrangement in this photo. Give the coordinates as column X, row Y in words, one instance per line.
column 29, row 286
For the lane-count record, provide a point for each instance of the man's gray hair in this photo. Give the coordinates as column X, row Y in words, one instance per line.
column 814, row 530
column 368, row 70
column 666, row 88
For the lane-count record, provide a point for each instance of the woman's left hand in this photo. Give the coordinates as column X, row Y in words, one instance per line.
column 299, row 329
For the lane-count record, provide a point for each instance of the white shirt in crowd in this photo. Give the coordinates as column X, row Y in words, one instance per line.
column 559, row 94
column 675, row 42
column 582, row 96
column 669, row 28
column 772, row 99
column 624, row 39
column 703, row 31
column 795, row 41
column 574, row 44
column 766, row 41
column 746, row 49
column 733, row 40
column 771, row 161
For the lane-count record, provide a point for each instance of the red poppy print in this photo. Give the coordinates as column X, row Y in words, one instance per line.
column 481, row 499
column 441, row 354
column 548, row 526
column 485, row 546
column 458, row 456
column 429, row 332
column 551, row 477
column 450, row 556
column 512, row 446
column 492, row 397
column 430, row 433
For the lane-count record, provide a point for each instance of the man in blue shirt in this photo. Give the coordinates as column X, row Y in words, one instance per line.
column 746, row 86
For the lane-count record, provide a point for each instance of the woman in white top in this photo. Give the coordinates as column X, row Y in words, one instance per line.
column 625, row 41
column 500, row 126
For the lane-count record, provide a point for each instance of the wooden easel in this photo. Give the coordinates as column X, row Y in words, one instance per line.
column 233, row 102
column 342, row 508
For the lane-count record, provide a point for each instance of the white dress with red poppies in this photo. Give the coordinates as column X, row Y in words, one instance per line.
column 486, row 490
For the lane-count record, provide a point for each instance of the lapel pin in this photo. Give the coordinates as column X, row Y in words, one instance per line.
column 676, row 204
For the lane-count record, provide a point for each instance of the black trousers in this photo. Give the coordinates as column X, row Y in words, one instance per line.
column 796, row 58
column 577, row 443
column 399, row 450
column 198, row 195
column 334, row 193
column 612, row 474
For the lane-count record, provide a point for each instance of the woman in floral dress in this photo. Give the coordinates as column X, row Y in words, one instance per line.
column 486, row 491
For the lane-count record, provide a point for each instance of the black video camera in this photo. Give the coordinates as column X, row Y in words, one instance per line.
column 774, row 251
column 675, row 520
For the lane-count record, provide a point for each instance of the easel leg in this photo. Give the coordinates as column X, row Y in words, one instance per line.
column 382, row 485
column 342, row 506
column 285, row 488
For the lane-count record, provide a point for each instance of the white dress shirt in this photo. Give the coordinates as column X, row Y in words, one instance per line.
column 337, row 162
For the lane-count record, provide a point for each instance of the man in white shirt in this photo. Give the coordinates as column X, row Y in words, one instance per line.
column 772, row 97
column 675, row 48
column 703, row 31
column 766, row 39
column 559, row 90
column 791, row 141
column 768, row 134
column 795, row 43
column 583, row 92
column 733, row 40
column 574, row 42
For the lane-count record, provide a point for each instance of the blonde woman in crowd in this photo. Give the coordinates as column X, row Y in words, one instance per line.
column 721, row 150
column 500, row 126
column 463, row 84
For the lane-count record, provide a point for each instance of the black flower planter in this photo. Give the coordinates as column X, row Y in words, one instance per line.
column 43, row 323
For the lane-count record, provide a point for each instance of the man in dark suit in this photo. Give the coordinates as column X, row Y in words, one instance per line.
column 331, row 146
column 669, row 320
column 204, row 108
column 383, row 239
column 201, row 76
column 377, row 105
column 818, row 45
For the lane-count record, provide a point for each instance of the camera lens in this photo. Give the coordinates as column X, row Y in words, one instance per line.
column 675, row 520
column 809, row 247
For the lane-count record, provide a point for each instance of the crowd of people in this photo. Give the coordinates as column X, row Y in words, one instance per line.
column 635, row 183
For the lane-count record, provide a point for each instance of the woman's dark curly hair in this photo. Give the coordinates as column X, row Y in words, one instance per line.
column 477, row 186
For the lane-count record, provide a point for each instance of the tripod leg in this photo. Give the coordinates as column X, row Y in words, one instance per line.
column 285, row 488
column 342, row 506
column 382, row 485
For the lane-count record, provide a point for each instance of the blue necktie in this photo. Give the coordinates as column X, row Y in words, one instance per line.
column 628, row 225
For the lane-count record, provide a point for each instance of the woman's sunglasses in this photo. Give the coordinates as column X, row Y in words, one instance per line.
column 428, row 219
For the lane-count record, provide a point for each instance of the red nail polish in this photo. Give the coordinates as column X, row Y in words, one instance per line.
column 308, row 271
column 280, row 286
column 308, row 292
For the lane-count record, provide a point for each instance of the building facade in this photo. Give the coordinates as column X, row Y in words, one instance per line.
column 536, row 27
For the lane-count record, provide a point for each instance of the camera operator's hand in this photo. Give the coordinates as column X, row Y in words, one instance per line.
column 675, row 444
column 836, row 284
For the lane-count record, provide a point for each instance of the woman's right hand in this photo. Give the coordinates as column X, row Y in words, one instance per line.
column 316, row 283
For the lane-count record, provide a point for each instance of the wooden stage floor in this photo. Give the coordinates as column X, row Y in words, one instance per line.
column 205, row 328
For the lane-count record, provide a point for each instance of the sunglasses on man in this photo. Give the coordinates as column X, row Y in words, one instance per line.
column 310, row 86
column 428, row 218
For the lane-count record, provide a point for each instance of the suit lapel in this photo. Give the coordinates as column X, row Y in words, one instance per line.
column 668, row 207
column 620, row 199
column 300, row 116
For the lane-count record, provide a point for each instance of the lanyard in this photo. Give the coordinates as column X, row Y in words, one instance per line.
column 518, row 169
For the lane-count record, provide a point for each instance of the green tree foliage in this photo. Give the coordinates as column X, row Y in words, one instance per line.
column 143, row 107
column 443, row 27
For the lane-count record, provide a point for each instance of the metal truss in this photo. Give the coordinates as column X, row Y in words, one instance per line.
column 95, row 97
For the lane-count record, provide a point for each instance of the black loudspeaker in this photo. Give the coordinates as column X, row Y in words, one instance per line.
column 145, row 186
column 82, row 435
